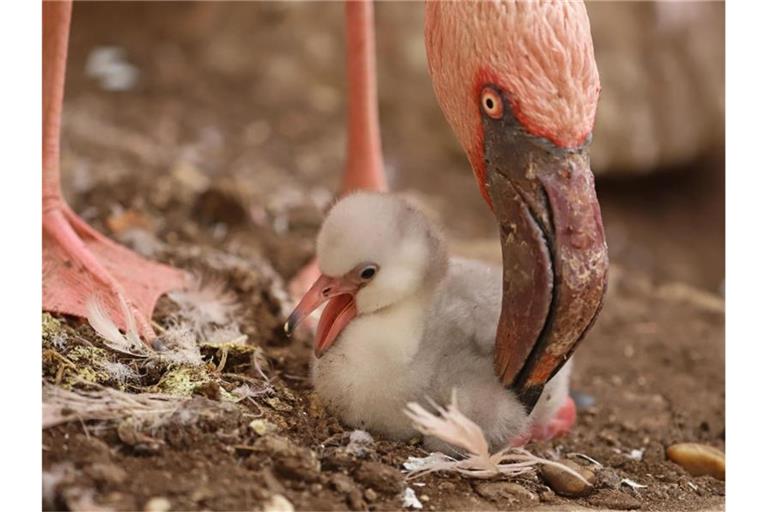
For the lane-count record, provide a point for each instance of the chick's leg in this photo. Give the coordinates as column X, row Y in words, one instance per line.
column 79, row 264
column 364, row 168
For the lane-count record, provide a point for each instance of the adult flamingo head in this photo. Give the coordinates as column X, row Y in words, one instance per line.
column 518, row 83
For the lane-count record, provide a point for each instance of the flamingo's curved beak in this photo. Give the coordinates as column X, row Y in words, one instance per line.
column 340, row 310
column 554, row 252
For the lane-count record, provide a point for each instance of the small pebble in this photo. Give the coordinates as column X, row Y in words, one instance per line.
column 278, row 503
column 106, row 473
column 261, row 427
column 370, row 495
column 126, row 220
column 546, row 495
column 278, row 404
column 190, row 176
column 504, row 492
column 342, row 483
column 446, row 486
column 614, row 500
column 566, row 484
column 131, row 436
column 221, row 202
column 303, row 466
column 157, row 504
column 698, row 459
column 380, row 477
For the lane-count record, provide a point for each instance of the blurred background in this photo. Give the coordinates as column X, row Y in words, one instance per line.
column 247, row 101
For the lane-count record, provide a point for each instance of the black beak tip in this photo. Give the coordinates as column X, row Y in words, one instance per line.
column 529, row 396
column 290, row 324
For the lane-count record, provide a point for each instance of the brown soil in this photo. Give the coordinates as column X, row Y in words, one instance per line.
column 229, row 168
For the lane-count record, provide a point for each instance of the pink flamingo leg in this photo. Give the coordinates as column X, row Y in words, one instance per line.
column 81, row 265
column 364, row 168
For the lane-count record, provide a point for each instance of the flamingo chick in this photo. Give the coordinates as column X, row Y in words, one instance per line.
column 404, row 322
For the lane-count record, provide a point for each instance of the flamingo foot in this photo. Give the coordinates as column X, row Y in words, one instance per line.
column 80, row 265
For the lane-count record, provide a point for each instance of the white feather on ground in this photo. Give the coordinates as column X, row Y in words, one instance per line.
column 410, row 500
column 121, row 372
column 142, row 241
column 59, row 340
column 206, row 315
column 631, row 483
column 229, row 334
column 128, row 343
column 360, row 443
column 180, row 344
column 206, row 304
column 453, row 427
column 244, row 391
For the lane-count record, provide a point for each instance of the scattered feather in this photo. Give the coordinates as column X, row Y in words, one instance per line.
column 206, row 314
column 120, row 372
column 453, row 427
column 107, row 64
column 585, row 457
column 206, row 304
column 414, row 464
column 59, row 340
column 128, row 343
column 178, row 344
column 359, row 443
column 229, row 334
column 259, row 361
column 636, row 454
column 410, row 500
column 142, row 241
column 631, row 483
column 248, row 391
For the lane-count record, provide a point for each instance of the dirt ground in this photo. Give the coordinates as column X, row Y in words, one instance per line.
column 221, row 159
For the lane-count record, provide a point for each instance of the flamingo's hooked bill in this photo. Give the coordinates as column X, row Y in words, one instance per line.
column 339, row 292
column 554, row 252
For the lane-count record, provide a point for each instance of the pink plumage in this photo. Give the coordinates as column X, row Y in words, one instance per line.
column 541, row 53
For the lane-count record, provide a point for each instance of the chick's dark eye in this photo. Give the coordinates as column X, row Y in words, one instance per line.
column 368, row 273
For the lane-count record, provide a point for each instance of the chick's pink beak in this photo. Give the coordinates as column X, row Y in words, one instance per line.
column 339, row 292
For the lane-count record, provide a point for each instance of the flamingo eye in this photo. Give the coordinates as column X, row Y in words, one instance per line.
column 490, row 101
column 368, row 272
